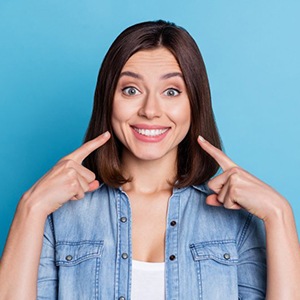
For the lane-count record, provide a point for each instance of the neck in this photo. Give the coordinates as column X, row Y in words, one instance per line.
column 149, row 176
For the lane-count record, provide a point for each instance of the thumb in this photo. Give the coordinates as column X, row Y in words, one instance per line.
column 93, row 185
column 213, row 200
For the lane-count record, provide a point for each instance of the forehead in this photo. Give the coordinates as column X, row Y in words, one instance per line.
column 158, row 58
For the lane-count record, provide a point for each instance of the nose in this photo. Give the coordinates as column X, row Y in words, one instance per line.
column 150, row 107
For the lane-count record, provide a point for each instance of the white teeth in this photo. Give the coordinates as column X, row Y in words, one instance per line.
column 150, row 132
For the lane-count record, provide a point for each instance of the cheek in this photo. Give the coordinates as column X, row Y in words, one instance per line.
column 116, row 118
column 121, row 114
column 181, row 115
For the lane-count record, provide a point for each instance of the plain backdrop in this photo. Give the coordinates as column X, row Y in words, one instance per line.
column 50, row 53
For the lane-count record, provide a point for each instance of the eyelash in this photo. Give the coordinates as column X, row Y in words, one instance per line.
column 125, row 90
column 128, row 88
column 173, row 89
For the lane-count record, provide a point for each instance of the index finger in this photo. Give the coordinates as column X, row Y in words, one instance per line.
column 219, row 156
column 87, row 148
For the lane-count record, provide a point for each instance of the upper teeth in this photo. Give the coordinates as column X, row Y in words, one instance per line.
column 150, row 132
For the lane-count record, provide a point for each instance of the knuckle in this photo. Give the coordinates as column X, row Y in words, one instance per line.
column 69, row 163
column 226, row 205
column 26, row 194
column 233, row 192
column 74, row 186
column 210, row 185
column 235, row 178
column 66, row 163
column 229, row 204
column 235, row 170
column 79, row 195
column 220, row 199
column 91, row 178
column 63, row 159
column 56, row 166
column 59, row 164
column 85, row 147
column 71, row 173
column 85, row 186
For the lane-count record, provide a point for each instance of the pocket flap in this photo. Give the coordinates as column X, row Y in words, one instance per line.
column 224, row 251
column 72, row 253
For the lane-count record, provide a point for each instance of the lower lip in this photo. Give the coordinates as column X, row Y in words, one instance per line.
column 149, row 139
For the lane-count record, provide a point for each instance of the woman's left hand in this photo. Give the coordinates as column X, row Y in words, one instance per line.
column 235, row 188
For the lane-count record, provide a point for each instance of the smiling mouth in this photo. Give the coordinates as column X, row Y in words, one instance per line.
column 150, row 132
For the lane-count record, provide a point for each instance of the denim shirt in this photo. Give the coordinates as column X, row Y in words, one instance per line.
column 211, row 253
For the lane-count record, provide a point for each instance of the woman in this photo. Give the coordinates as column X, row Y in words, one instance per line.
column 157, row 226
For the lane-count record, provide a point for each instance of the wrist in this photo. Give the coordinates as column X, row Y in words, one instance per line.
column 279, row 214
column 31, row 208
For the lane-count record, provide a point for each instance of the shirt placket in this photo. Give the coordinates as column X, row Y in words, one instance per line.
column 171, row 249
column 124, row 251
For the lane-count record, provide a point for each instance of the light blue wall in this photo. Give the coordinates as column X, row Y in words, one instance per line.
column 50, row 52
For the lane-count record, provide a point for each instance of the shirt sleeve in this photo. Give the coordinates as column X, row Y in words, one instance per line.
column 252, row 268
column 47, row 275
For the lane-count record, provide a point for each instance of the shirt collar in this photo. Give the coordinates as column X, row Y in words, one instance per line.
column 201, row 187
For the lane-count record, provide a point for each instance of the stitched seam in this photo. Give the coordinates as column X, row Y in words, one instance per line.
column 50, row 221
column 245, row 228
column 97, row 278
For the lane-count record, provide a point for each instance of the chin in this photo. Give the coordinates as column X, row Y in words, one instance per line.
column 149, row 156
column 154, row 154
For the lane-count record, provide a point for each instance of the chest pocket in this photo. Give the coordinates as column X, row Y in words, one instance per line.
column 78, row 269
column 72, row 253
column 216, row 266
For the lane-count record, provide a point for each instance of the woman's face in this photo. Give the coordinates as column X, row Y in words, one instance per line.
column 151, row 109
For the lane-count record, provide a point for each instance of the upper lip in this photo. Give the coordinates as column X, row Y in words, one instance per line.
column 147, row 126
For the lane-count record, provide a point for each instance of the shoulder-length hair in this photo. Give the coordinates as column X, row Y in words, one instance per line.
column 194, row 166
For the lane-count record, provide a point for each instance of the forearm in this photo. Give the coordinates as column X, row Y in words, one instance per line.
column 283, row 256
column 20, row 260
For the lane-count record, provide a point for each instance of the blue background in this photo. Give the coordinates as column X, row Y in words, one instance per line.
column 50, row 53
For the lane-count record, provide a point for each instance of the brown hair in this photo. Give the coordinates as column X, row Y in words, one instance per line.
column 194, row 166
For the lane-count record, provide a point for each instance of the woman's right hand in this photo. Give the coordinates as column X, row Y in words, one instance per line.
column 67, row 180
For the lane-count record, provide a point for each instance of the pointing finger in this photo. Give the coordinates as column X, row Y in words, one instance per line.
column 220, row 157
column 86, row 149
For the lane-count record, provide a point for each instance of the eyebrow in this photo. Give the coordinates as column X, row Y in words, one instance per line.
column 138, row 76
column 170, row 75
column 131, row 74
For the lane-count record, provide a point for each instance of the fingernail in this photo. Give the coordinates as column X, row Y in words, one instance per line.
column 201, row 138
column 106, row 134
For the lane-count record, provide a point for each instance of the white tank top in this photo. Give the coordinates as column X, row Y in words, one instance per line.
column 148, row 280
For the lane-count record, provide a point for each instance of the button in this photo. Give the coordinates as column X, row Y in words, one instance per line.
column 122, row 298
column 172, row 257
column 226, row 256
column 124, row 255
column 69, row 257
column 173, row 223
column 123, row 219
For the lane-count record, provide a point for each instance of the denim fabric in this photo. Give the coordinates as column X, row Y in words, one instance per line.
column 211, row 253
